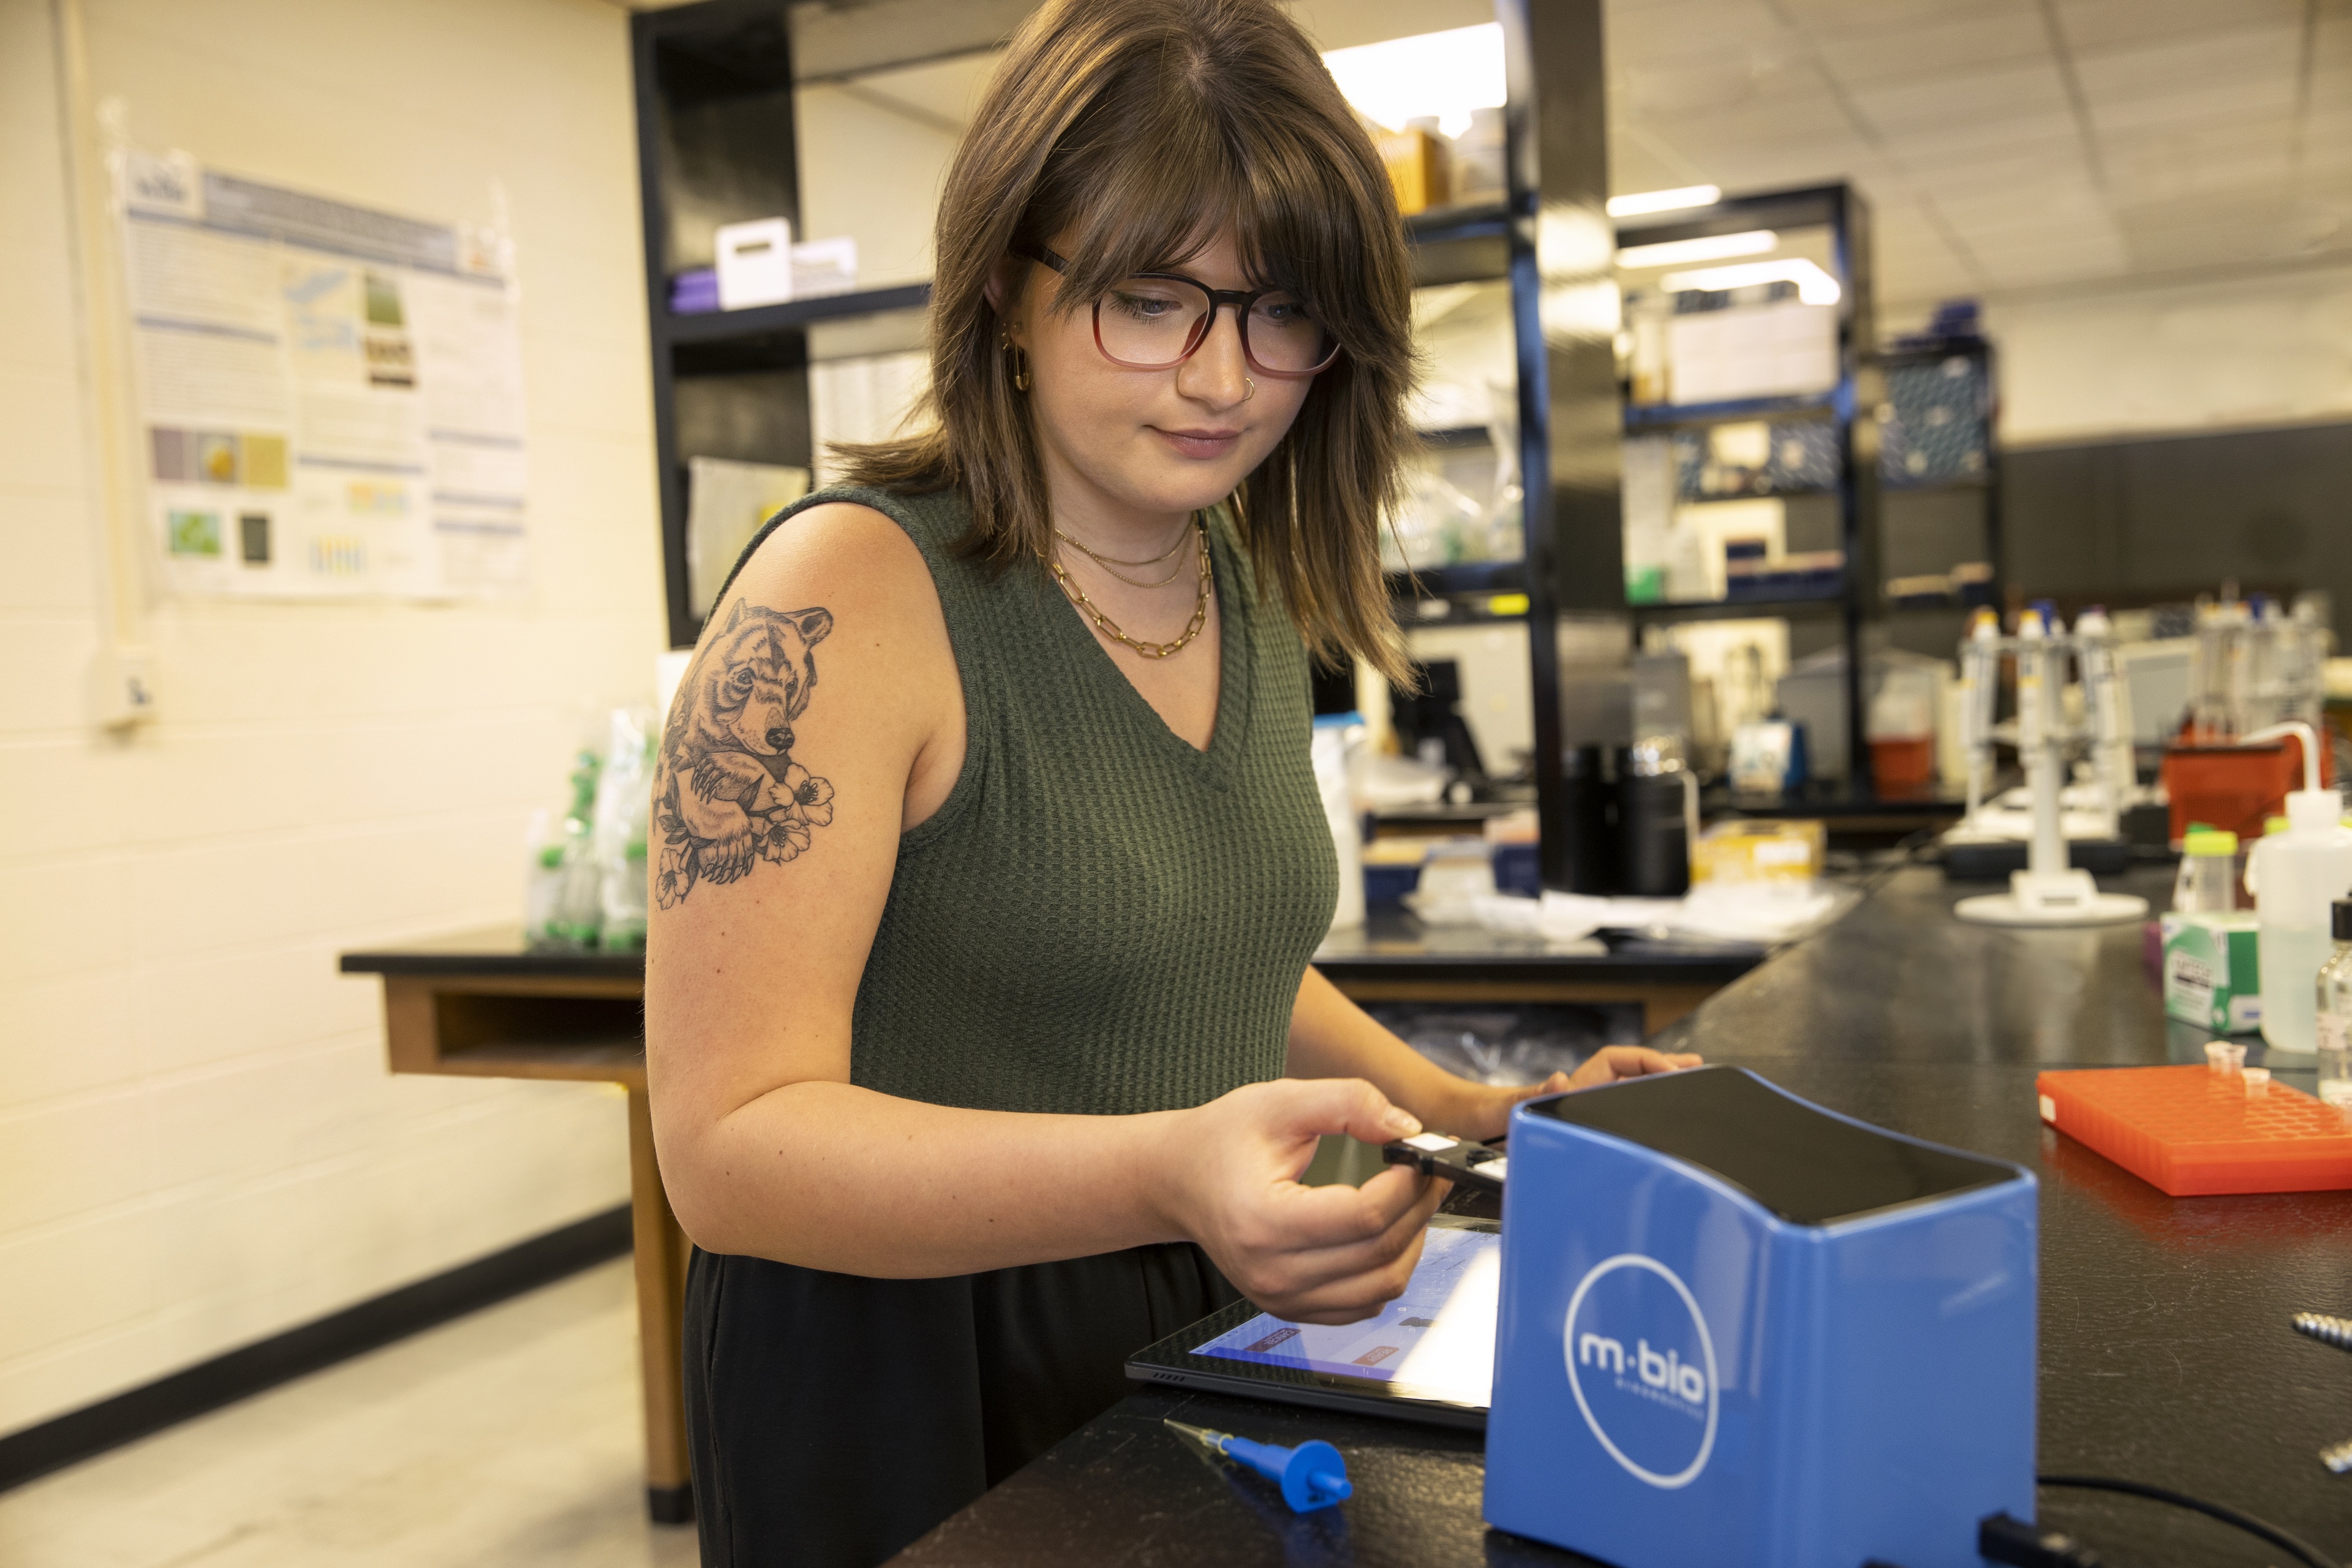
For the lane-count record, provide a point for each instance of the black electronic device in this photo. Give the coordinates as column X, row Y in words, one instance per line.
column 1433, row 712
column 1427, row 1356
column 1457, row 1160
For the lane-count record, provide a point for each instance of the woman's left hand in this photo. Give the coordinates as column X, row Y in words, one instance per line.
column 1486, row 1112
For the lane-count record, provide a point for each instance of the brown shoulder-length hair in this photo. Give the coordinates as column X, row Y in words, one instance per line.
column 1146, row 129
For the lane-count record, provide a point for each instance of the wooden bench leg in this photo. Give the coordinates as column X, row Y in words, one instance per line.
column 661, row 1252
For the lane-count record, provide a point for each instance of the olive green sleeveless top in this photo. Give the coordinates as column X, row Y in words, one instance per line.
column 1100, row 918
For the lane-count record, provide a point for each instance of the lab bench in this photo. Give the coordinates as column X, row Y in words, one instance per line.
column 2165, row 1353
column 485, row 1004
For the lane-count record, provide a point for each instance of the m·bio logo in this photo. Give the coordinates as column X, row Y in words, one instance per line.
column 1642, row 1365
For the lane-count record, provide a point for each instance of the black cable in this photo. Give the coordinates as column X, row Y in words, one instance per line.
column 2303, row 1550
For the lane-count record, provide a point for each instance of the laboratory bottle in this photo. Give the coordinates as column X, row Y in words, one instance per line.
column 2299, row 874
column 2208, row 882
column 1337, row 737
column 2334, row 1000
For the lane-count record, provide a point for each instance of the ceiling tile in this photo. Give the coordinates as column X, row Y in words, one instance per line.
column 2217, row 102
column 1998, row 171
column 1930, row 148
column 1963, row 97
column 1763, row 167
column 1698, row 87
column 1681, row 30
column 2266, row 57
column 2037, row 271
column 2093, row 24
column 1971, row 40
column 2182, row 160
column 1746, row 126
column 1848, row 18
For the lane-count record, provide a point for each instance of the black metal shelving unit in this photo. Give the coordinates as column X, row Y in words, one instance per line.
column 1850, row 405
column 1920, row 464
column 715, row 145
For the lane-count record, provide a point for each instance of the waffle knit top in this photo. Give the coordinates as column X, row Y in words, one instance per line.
column 1100, row 918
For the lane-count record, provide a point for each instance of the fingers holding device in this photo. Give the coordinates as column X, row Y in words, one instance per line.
column 1308, row 1255
column 1488, row 1115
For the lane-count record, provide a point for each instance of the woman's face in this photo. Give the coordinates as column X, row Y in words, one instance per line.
column 1146, row 444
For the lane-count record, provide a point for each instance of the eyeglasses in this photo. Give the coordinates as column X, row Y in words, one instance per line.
column 1156, row 320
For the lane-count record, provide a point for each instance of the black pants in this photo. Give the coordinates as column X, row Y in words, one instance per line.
column 831, row 1419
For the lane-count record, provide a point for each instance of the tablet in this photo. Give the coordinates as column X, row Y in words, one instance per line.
column 1429, row 1355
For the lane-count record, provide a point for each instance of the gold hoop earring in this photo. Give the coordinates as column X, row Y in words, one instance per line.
column 1252, row 389
column 1020, row 361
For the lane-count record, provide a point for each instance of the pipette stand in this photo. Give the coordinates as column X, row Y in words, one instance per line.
column 2048, row 892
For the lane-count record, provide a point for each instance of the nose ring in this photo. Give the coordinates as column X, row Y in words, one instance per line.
column 1252, row 389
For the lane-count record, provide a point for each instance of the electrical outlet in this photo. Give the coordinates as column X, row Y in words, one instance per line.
column 123, row 687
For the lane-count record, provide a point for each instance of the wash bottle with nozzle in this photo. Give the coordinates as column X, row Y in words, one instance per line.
column 2295, row 876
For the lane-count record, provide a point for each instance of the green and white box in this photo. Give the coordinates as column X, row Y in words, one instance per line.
column 2211, row 976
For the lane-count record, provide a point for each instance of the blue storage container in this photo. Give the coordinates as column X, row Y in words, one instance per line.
column 1737, row 1328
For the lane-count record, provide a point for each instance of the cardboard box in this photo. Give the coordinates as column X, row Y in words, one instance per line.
column 2211, row 975
column 1417, row 165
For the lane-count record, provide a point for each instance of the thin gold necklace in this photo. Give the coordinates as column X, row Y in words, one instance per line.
column 1173, row 572
column 1106, row 560
column 1110, row 627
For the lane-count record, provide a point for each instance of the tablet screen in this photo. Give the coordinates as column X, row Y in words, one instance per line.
column 1435, row 1342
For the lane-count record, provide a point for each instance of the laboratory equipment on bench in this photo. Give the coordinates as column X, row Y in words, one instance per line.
column 2212, row 956
column 2207, row 882
column 1657, row 817
column 2335, row 1001
column 2048, row 891
column 2295, row 876
column 1311, row 1474
column 2191, row 1130
column 1743, row 1329
column 2257, row 670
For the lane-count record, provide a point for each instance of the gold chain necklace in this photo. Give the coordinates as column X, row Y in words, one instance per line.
column 1110, row 628
column 1101, row 560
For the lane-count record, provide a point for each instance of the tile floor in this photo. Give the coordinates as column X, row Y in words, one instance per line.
column 508, row 1439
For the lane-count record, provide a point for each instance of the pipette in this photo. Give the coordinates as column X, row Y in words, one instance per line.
column 1311, row 1476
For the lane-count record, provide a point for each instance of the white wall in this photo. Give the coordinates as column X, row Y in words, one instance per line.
column 199, row 1144
column 873, row 173
column 2245, row 353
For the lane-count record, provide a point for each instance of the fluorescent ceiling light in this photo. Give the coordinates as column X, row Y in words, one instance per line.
column 1665, row 201
column 1814, row 287
column 1713, row 248
column 1442, row 74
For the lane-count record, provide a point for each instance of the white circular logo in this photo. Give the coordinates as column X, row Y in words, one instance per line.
column 1642, row 1366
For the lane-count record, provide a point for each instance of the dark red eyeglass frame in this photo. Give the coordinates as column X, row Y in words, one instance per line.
column 1240, row 299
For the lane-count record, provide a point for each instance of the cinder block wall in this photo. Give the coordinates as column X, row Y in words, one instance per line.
column 199, row 1145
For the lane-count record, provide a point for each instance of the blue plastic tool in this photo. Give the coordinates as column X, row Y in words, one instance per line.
column 1311, row 1476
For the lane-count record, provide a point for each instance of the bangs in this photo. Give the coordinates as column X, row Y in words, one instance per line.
column 1132, row 135
column 1160, row 166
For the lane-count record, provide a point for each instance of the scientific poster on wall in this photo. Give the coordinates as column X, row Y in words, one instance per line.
column 329, row 398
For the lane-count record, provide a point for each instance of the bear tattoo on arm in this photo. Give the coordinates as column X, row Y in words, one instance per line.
column 729, row 795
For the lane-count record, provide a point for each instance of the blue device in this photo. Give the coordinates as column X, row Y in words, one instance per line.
column 1311, row 1474
column 1737, row 1328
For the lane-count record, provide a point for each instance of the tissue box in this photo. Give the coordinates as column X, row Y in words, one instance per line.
column 1737, row 1328
column 2212, row 976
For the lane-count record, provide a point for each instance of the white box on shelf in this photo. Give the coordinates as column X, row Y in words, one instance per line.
column 1782, row 350
column 754, row 261
column 825, row 266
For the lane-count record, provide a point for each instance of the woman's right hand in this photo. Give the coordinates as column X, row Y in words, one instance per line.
column 1229, row 1172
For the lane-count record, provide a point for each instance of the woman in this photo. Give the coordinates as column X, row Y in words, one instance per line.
column 982, row 1040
